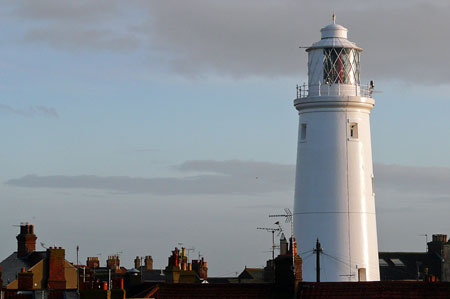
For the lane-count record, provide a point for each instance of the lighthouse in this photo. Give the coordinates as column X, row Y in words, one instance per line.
column 334, row 195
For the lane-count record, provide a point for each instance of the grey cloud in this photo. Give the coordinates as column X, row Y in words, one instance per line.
column 81, row 10
column 395, row 186
column 74, row 39
column 414, row 181
column 230, row 177
column 31, row 111
column 77, row 25
column 403, row 40
column 46, row 111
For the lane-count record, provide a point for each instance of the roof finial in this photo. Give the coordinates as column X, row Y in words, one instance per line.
column 334, row 18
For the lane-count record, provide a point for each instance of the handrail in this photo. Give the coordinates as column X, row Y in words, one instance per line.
column 338, row 89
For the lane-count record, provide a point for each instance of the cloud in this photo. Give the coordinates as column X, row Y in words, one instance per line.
column 229, row 177
column 77, row 25
column 32, row 111
column 67, row 11
column 79, row 38
column 402, row 183
column 402, row 40
column 262, row 37
column 432, row 181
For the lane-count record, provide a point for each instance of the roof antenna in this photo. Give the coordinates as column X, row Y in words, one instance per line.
column 334, row 18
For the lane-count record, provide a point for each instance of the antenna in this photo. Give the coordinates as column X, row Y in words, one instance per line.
column 43, row 245
column 426, row 240
column 21, row 224
column 289, row 219
column 118, row 254
column 272, row 230
column 189, row 251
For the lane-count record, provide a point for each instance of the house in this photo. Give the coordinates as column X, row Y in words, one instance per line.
column 28, row 269
column 433, row 265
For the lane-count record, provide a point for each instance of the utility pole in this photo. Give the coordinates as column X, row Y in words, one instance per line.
column 109, row 279
column 318, row 250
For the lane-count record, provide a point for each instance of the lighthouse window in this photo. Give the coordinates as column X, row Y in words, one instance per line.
column 340, row 65
column 303, row 132
column 354, row 130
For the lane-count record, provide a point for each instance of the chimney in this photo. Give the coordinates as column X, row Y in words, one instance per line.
column 283, row 245
column 137, row 263
column 93, row 262
column 293, row 246
column 26, row 240
column 56, row 276
column 200, row 266
column 148, row 262
column 440, row 238
column 113, row 262
column 25, row 280
column 174, row 258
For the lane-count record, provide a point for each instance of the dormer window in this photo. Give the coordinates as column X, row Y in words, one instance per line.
column 340, row 65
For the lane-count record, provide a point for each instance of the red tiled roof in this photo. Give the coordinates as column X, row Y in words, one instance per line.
column 369, row 290
column 237, row 291
column 329, row 290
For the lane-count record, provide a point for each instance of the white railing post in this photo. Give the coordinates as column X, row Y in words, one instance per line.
column 319, row 89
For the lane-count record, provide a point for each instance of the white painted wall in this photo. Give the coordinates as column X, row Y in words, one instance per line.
column 334, row 198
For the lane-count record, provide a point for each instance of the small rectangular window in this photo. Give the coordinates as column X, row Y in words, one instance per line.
column 303, row 132
column 353, row 130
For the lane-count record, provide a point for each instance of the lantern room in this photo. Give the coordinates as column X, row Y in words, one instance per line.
column 334, row 63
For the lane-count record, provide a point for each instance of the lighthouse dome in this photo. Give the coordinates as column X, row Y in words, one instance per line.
column 334, row 30
column 334, row 36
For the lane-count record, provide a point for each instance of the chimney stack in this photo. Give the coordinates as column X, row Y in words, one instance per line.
column 201, row 267
column 25, row 280
column 283, row 245
column 55, row 267
column 148, row 262
column 137, row 263
column 113, row 262
column 93, row 262
column 26, row 240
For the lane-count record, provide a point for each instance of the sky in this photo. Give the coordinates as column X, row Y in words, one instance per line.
column 133, row 127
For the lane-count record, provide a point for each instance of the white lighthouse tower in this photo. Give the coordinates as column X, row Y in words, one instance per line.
column 334, row 196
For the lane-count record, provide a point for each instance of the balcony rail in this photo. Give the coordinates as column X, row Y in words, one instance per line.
column 338, row 89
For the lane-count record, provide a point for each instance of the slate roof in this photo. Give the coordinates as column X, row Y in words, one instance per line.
column 13, row 265
column 403, row 265
column 153, row 275
column 255, row 274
